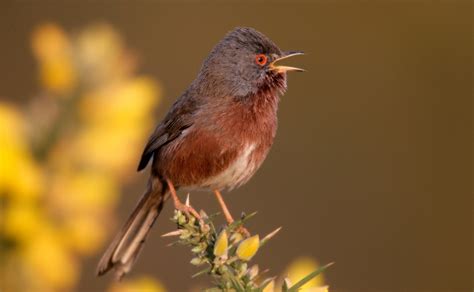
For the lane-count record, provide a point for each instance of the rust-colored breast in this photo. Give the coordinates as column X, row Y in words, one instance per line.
column 195, row 157
column 223, row 148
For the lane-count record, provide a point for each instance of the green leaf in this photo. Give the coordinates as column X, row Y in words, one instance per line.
column 240, row 222
column 308, row 278
column 285, row 288
column 236, row 284
column 202, row 272
column 269, row 236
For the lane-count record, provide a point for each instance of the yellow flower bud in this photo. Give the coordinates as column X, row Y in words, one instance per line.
column 248, row 248
column 220, row 248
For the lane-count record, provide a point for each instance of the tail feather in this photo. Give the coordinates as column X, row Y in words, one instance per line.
column 126, row 246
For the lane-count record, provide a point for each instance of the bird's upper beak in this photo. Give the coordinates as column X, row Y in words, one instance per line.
column 282, row 69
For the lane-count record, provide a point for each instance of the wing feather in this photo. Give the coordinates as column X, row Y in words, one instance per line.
column 179, row 118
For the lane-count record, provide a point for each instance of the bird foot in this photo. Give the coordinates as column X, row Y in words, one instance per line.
column 188, row 210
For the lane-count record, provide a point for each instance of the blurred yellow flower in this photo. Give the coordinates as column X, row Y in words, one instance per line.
column 84, row 233
column 300, row 268
column 79, row 192
column 113, row 129
column 22, row 221
column 48, row 41
column 102, row 56
column 248, row 248
column 50, row 261
column 19, row 175
column 120, row 104
column 52, row 48
column 61, row 183
column 112, row 149
column 11, row 124
column 58, row 75
column 143, row 284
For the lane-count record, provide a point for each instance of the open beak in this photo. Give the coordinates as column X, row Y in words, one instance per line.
column 283, row 69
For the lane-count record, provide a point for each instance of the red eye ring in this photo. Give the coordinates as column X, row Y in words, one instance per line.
column 261, row 59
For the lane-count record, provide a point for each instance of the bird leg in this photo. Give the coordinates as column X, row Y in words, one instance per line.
column 180, row 206
column 227, row 215
column 226, row 212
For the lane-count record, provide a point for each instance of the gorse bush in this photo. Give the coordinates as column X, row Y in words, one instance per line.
column 225, row 254
column 59, row 180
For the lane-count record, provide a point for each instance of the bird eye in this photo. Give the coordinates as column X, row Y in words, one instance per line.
column 261, row 59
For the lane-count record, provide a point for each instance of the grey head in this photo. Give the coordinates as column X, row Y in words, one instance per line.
column 243, row 64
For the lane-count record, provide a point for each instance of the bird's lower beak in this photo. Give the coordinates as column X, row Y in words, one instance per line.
column 282, row 69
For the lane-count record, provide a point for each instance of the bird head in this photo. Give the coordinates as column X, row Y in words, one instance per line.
column 245, row 62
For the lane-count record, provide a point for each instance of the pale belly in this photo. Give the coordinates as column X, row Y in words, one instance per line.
column 236, row 174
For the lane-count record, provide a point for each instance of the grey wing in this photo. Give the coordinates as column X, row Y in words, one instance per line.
column 177, row 120
column 156, row 140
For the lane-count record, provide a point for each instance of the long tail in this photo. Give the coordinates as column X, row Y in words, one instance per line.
column 124, row 249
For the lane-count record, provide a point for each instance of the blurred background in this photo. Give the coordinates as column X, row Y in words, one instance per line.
column 371, row 167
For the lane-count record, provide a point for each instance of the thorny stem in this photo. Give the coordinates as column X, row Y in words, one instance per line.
column 224, row 253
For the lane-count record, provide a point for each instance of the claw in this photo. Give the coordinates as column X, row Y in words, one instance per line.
column 188, row 210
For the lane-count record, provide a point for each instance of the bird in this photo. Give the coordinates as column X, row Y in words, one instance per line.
column 214, row 137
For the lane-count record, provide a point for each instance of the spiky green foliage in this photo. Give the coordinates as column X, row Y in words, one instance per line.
column 224, row 253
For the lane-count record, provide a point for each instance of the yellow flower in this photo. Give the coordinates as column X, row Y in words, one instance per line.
column 121, row 104
column 116, row 120
column 248, row 248
column 82, row 192
column 143, row 284
column 220, row 248
column 58, row 75
column 52, row 49
column 101, row 54
column 20, row 177
column 85, row 163
column 84, row 233
column 112, row 149
column 48, row 41
column 22, row 221
column 300, row 268
column 50, row 261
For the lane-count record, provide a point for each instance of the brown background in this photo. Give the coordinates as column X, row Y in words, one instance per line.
column 372, row 165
